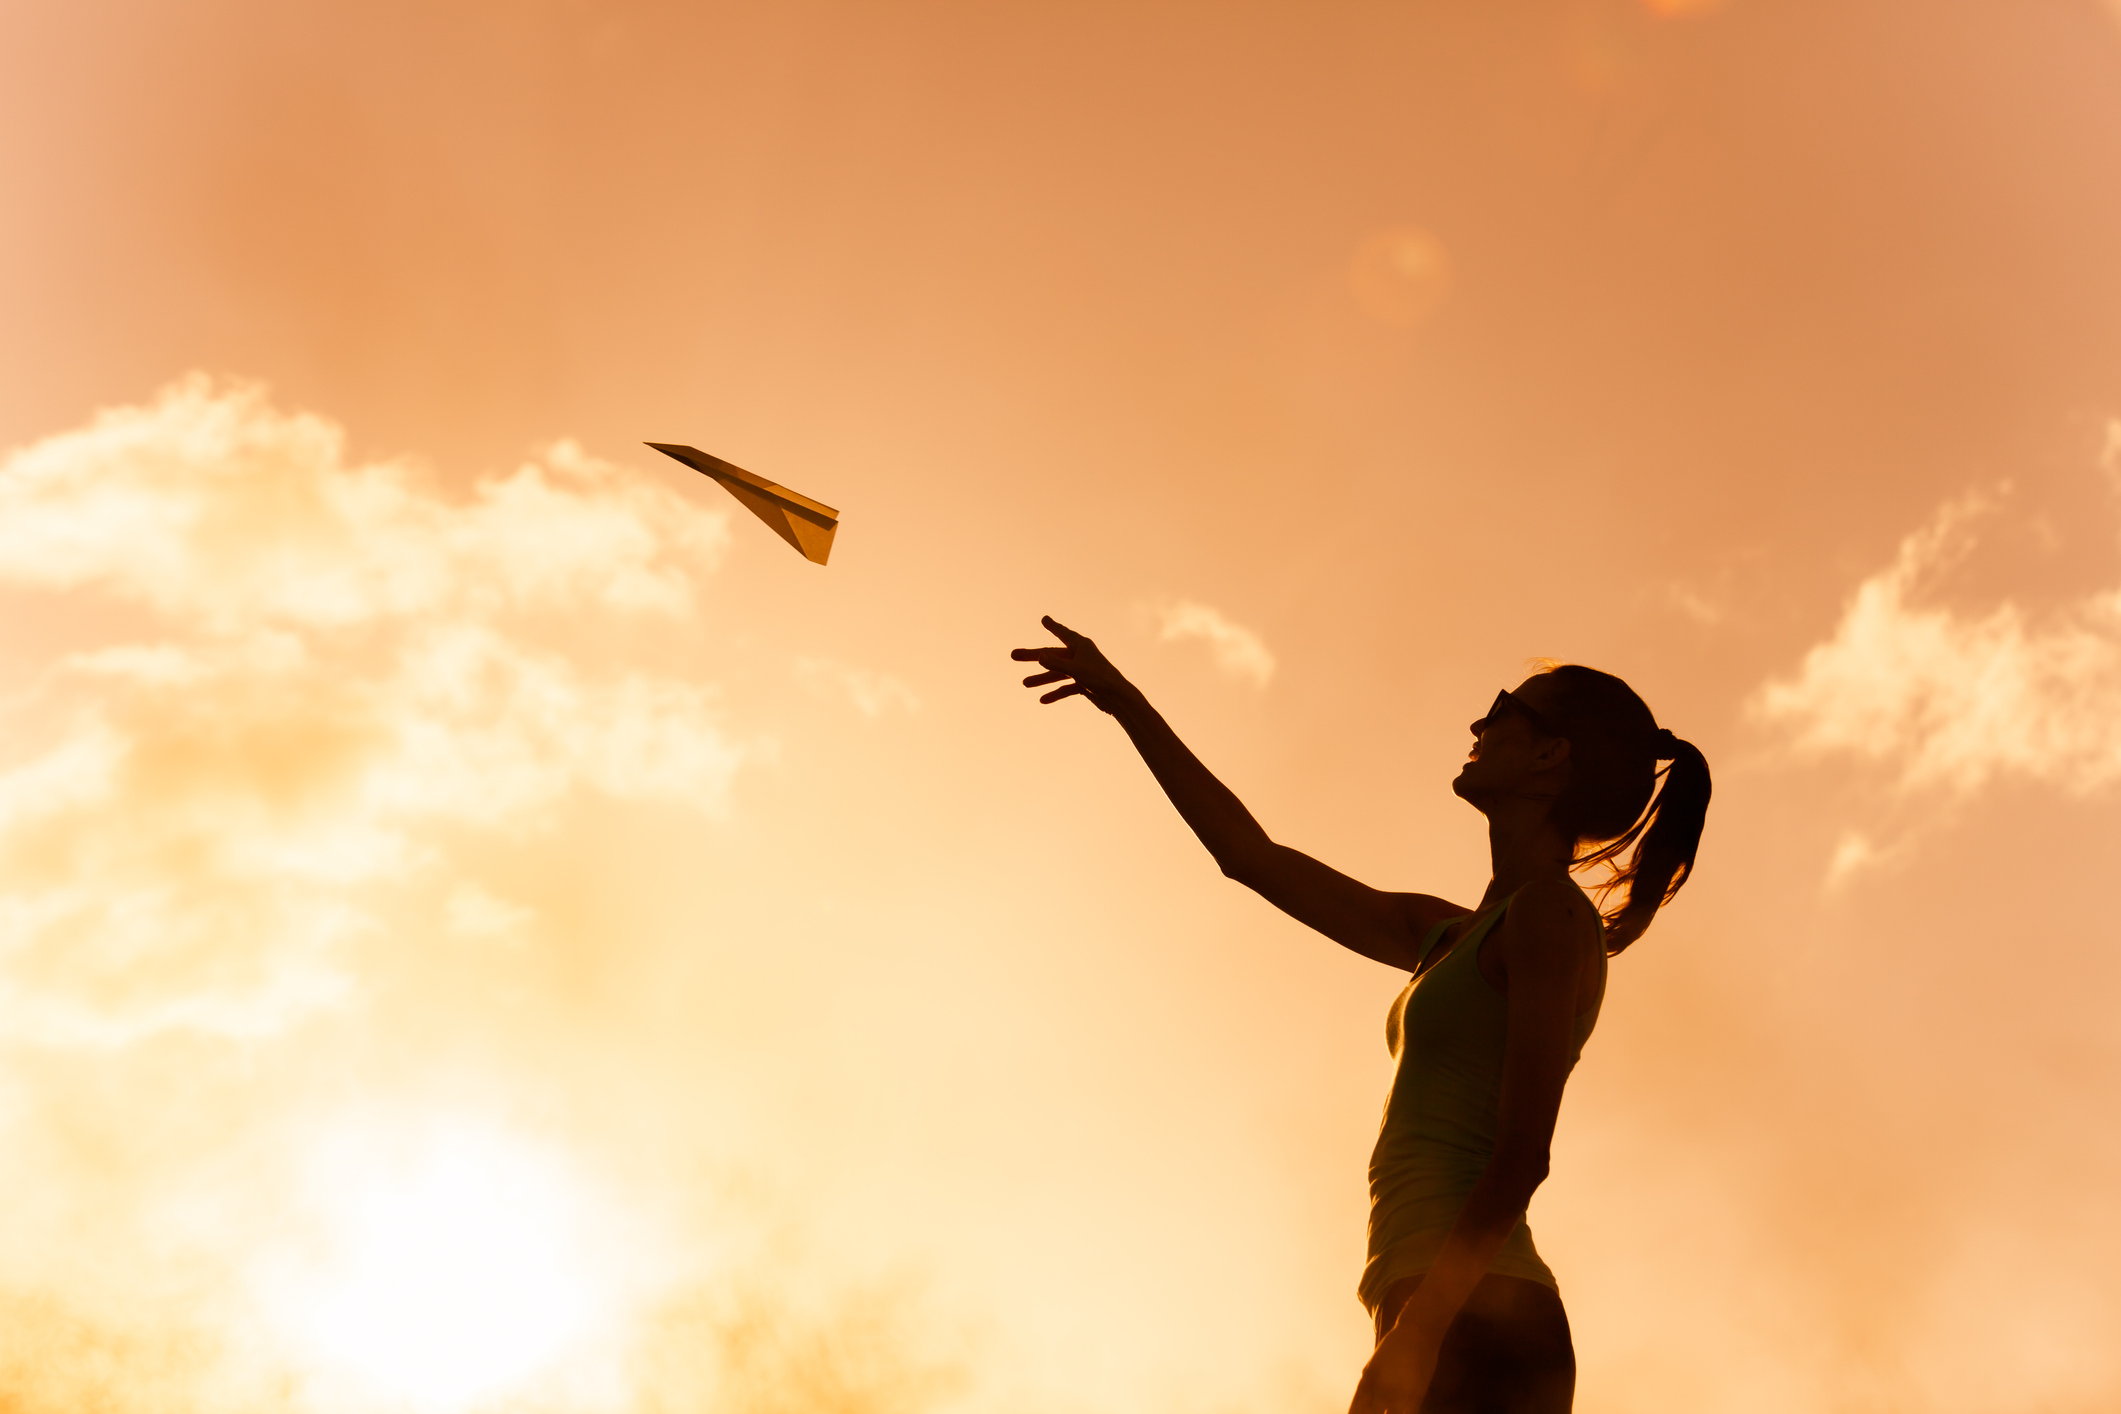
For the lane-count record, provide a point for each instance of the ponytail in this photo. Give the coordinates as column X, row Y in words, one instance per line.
column 1650, row 819
column 1670, row 832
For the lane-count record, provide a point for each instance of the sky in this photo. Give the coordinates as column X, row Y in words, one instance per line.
column 485, row 926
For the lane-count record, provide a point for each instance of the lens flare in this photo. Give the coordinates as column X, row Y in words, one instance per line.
column 1398, row 276
column 450, row 1271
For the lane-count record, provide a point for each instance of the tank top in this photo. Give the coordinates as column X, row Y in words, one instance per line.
column 1446, row 1030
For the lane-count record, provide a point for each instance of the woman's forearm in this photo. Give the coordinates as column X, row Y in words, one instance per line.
column 1344, row 909
column 1215, row 814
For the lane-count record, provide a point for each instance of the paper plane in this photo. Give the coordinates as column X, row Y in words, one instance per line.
column 806, row 524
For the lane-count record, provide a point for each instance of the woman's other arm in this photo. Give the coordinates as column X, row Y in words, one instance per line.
column 1385, row 926
column 1548, row 941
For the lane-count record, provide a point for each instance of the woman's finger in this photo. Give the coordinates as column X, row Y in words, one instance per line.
column 1062, row 632
column 1040, row 679
column 1036, row 655
column 1059, row 692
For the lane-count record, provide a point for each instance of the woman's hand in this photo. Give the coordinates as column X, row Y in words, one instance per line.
column 1397, row 1378
column 1078, row 665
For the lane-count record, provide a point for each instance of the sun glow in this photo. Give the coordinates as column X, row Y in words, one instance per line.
column 452, row 1271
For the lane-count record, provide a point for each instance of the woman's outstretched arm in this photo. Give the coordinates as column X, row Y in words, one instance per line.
column 1385, row 926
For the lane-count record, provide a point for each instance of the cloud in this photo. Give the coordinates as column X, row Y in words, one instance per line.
column 302, row 739
column 1238, row 651
column 339, row 672
column 1696, row 606
column 1855, row 853
column 871, row 692
column 750, row 1350
column 1952, row 701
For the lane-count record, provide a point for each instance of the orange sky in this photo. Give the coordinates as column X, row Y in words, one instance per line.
column 485, row 926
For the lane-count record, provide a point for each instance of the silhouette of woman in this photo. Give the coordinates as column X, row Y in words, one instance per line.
column 1501, row 1000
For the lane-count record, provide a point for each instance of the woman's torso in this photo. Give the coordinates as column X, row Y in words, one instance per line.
column 1447, row 1029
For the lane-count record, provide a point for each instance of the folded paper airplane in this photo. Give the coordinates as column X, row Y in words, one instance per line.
column 806, row 524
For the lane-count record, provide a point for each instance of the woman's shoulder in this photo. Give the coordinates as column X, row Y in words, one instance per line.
column 1551, row 913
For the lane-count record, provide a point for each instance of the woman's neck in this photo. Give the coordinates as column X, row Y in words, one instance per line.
column 1523, row 845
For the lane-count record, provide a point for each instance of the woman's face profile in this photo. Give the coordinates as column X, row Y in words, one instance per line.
column 1507, row 748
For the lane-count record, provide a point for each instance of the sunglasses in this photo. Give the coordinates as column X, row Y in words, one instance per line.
column 1508, row 701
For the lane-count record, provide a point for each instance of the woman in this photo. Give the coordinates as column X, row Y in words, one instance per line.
column 1501, row 1000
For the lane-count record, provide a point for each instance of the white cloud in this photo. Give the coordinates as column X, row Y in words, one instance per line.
column 1696, row 606
column 1856, row 853
column 872, row 693
column 1238, row 651
column 1951, row 700
column 345, row 666
column 214, row 509
column 475, row 913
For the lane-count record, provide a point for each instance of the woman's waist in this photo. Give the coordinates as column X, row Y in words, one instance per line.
column 1411, row 1253
column 1397, row 1209
column 1427, row 1162
column 1423, row 1195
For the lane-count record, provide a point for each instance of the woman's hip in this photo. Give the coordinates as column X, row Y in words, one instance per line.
column 1508, row 1352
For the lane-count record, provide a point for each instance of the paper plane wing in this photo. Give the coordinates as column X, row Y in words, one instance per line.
column 806, row 524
